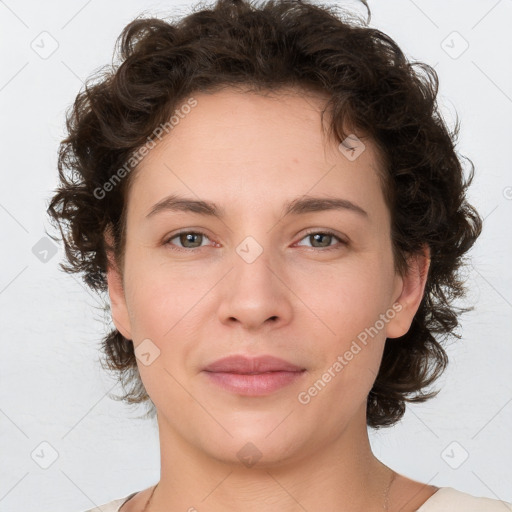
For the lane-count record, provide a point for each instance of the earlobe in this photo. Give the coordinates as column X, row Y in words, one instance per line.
column 411, row 294
column 116, row 293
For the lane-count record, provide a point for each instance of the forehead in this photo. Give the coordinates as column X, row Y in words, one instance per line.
column 235, row 146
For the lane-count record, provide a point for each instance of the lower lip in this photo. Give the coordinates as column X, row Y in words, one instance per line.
column 259, row 384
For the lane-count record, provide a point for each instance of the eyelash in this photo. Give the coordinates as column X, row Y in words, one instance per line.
column 309, row 233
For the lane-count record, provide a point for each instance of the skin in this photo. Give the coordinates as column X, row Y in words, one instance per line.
column 249, row 154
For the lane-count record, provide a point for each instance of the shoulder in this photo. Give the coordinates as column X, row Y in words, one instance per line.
column 448, row 499
column 111, row 506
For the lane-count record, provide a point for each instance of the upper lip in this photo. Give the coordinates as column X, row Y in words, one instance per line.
column 245, row 364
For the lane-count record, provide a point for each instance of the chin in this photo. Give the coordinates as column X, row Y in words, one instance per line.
column 256, row 447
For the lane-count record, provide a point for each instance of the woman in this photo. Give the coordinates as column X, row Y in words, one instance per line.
column 277, row 211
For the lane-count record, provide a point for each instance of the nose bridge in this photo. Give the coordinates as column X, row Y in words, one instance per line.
column 253, row 272
column 253, row 264
column 254, row 291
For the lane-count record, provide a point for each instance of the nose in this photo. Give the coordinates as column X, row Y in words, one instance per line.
column 256, row 295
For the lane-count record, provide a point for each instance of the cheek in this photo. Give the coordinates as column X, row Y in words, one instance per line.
column 351, row 352
column 161, row 310
column 166, row 308
column 348, row 299
column 160, row 296
column 353, row 306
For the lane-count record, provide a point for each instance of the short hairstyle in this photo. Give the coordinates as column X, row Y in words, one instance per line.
column 373, row 92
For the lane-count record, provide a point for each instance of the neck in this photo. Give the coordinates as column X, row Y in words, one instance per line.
column 341, row 475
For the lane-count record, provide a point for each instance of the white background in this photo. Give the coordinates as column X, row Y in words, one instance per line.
column 52, row 387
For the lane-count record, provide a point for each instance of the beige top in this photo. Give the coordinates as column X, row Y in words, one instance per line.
column 446, row 499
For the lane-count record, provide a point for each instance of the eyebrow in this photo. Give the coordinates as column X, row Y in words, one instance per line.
column 299, row 206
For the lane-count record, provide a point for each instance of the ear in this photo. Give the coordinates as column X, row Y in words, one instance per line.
column 409, row 291
column 119, row 310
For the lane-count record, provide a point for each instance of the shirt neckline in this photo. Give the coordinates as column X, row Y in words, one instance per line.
column 427, row 502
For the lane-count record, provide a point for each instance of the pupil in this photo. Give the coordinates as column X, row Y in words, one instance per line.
column 188, row 237
column 322, row 235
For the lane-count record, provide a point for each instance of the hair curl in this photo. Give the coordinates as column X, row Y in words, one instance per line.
column 372, row 88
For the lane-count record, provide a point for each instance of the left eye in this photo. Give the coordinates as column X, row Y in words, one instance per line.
column 324, row 238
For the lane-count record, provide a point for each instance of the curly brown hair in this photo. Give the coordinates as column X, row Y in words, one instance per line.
column 372, row 88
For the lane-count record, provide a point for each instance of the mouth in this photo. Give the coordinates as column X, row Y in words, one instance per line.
column 254, row 384
column 252, row 376
column 242, row 364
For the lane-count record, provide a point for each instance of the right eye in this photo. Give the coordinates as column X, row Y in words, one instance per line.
column 194, row 238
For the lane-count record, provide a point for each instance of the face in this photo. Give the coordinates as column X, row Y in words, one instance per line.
column 315, row 287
